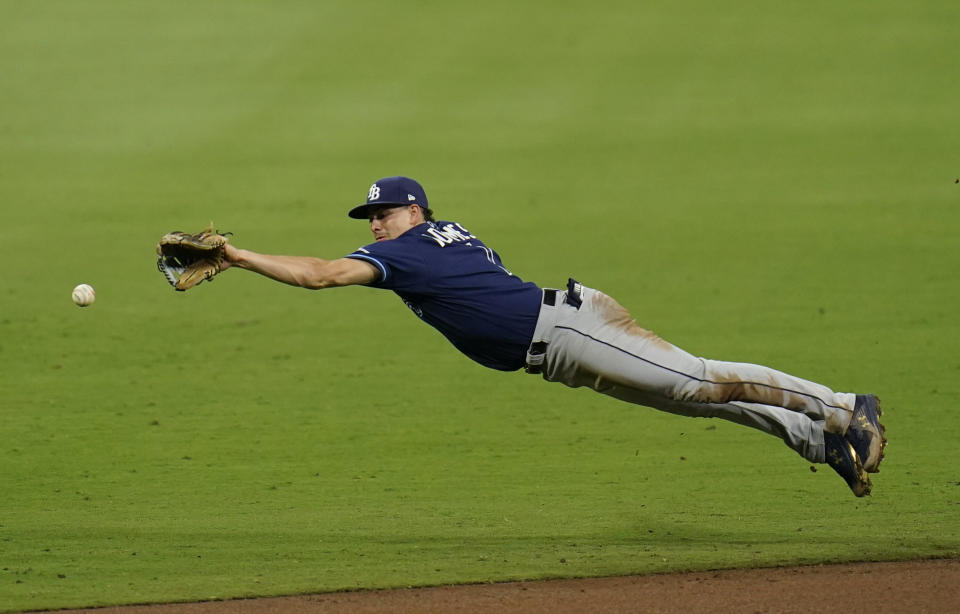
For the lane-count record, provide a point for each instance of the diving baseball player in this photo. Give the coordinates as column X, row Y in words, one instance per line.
column 576, row 335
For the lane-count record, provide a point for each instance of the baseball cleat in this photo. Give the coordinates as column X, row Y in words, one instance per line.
column 842, row 456
column 865, row 433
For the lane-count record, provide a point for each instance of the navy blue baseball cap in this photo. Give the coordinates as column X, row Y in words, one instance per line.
column 391, row 191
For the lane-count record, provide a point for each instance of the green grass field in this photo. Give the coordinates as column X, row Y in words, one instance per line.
column 759, row 182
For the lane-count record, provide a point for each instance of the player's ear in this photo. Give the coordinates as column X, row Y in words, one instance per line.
column 416, row 214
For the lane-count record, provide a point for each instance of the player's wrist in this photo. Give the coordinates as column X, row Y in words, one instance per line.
column 237, row 257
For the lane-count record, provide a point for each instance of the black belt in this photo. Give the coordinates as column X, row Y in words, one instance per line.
column 574, row 293
column 573, row 298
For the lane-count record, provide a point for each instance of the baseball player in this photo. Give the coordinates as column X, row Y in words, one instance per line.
column 575, row 334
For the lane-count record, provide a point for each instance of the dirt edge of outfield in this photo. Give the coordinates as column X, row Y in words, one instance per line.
column 911, row 586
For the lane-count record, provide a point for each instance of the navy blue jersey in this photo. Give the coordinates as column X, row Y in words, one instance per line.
column 458, row 285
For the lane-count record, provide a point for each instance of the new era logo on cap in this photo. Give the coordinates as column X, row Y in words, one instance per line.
column 391, row 191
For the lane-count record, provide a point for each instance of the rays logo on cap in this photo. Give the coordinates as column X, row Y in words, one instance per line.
column 397, row 190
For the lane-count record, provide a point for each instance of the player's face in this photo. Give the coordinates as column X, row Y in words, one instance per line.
column 390, row 222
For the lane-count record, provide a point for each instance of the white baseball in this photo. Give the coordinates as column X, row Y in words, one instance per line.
column 84, row 295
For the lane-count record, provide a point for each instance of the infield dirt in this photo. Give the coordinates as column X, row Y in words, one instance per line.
column 914, row 587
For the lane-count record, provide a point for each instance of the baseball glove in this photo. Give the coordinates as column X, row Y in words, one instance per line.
column 187, row 259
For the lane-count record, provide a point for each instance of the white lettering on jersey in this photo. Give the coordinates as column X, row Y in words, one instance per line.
column 374, row 192
column 448, row 234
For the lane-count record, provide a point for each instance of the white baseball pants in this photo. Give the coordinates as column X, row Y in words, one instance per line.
column 599, row 345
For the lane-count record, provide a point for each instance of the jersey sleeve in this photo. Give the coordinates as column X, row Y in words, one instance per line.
column 365, row 254
column 399, row 266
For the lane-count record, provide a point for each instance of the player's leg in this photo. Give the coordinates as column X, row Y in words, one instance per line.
column 600, row 345
column 801, row 434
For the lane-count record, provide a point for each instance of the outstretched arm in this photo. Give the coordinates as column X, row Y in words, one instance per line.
column 303, row 271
